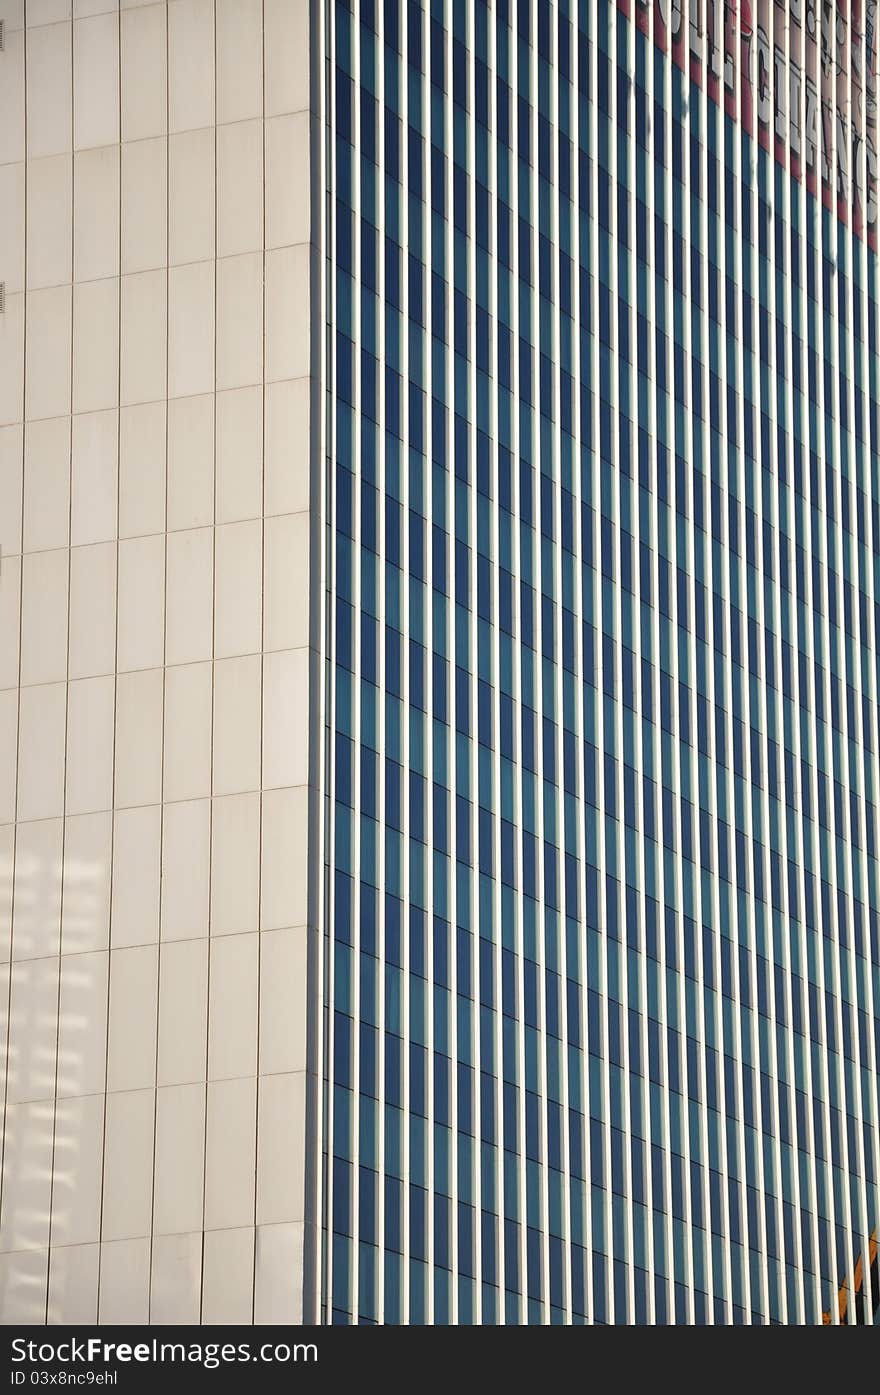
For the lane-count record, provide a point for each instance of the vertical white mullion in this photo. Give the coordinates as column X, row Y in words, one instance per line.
column 518, row 684
column 356, row 678
column 329, row 939
column 643, row 1089
column 405, row 737
column 612, row 592
column 763, row 1247
column 798, row 701
column 601, row 862
column 537, row 544
column 808, row 838
column 382, row 609
column 819, row 740
column 680, row 785
column 473, row 656
column 704, row 430
column 664, row 294
column 667, row 991
column 617, row 686
column 859, row 191
column 669, row 318
column 801, row 729
column 848, row 1096
column 727, row 692
column 784, row 494
column 838, row 738
column 858, row 853
column 323, row 190
column 691, row 786
column 428, row 362
column 861, row 248
column 749, row 1298
column 654, row 715
column 762, row 1296
column 638, row 717
column 559, row 811
column 826, row 740
column 777, row 702
column 834, row 649
column 778, row 709
column 498, row 1008
column 560, row 710
column 797, row 1258
column 580, row 675
column 451, row 506
column 779, row 706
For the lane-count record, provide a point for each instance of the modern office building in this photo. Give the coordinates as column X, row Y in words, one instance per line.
column 440, row 606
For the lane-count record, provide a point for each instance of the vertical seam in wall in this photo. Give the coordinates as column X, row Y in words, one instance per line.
column 66, row 704
column 209, row 926
column 259, row 939
column 158, row 984
column 115, row 656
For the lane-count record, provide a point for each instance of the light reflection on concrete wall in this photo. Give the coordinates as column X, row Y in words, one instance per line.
column 55, row 1006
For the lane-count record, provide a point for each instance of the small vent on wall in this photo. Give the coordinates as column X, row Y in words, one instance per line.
column 2, row 297
column 2, row 34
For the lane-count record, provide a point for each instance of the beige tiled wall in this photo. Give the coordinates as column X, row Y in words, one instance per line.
column 154, row 663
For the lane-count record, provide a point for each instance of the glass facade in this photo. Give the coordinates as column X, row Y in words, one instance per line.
column 600, row 757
